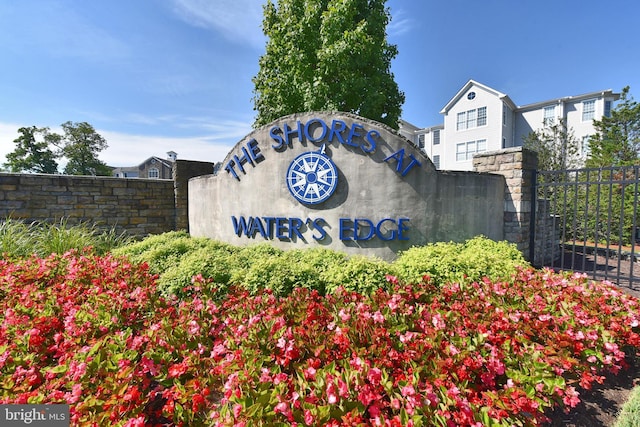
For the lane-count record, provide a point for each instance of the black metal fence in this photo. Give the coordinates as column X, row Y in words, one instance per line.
column 587, row 220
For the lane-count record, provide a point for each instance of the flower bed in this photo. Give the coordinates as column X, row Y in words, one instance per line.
column 93, row 332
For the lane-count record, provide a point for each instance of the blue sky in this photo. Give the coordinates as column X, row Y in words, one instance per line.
column 155, row 76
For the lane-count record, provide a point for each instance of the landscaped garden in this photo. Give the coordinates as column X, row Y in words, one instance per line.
column 174, row 330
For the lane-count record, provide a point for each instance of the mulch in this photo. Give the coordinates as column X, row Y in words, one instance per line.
column 600, row 406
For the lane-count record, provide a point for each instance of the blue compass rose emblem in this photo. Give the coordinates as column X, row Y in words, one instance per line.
column 312, row 177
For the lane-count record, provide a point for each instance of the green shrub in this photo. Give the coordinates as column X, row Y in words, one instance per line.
column 163, row 251
column 139, row 248
column 459, row 262
column 213, row 261
column 357, row 273
column 310, row 267
column 269, row 273
column 176, row 257
column 263, row 266
column 630, row 414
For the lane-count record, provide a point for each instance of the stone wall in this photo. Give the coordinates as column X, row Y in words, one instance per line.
column 148, row 206
column 138, row 206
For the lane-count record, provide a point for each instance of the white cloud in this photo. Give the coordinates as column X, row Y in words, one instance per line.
column 237, row 20
column 400, row 23
column 8, row 132
column 131, row 150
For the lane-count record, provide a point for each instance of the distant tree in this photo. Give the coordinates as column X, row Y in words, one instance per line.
column 617, row 138
column 32, row 152
column 557, row 146
column 80, row 145
column 327, row 55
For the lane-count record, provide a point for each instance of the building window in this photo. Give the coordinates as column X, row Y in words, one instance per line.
column 607, row 108
column 482, row 116
column 504, row 115
column 421, row 140
column 461, row 151
column 549, row 115
column 154, row 173
column 588, row 110
column 436, row 161
column 436, row 137
column 471, row 119
column 462, row 121
column 466, row 150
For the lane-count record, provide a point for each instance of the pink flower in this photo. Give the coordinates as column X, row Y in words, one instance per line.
column 405, row 338
column 438, row 321
column 265, row 375
column 453, row 350
column 237, row 410
column 309, row 373
column 193, row 328
column 356, row 363
column 378, row 317
column 75, row 394
column 374, row 376
column 332, row 396
column 395, row 404
column 344, row 315
column 343, row 389
column 284, row 409
column 135, row 422
column 280, row 377
column 149, row 366
column 408, row 390
column 571, row 398
column 309, row 419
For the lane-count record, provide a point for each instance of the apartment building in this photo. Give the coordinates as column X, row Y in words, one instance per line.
column 479, row 118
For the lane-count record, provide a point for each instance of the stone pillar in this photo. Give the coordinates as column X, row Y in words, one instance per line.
column 517, row 165
column 183, row 171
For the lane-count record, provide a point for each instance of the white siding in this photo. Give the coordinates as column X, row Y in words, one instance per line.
column 506, row 125
column 491, row 132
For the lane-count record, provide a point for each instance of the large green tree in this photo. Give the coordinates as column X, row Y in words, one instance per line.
column 327, row 55
column 32, row 152
column 556, row 145
column 617, row 138
column 80, row 145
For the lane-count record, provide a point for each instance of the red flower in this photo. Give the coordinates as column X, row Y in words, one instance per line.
column 178, row 369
